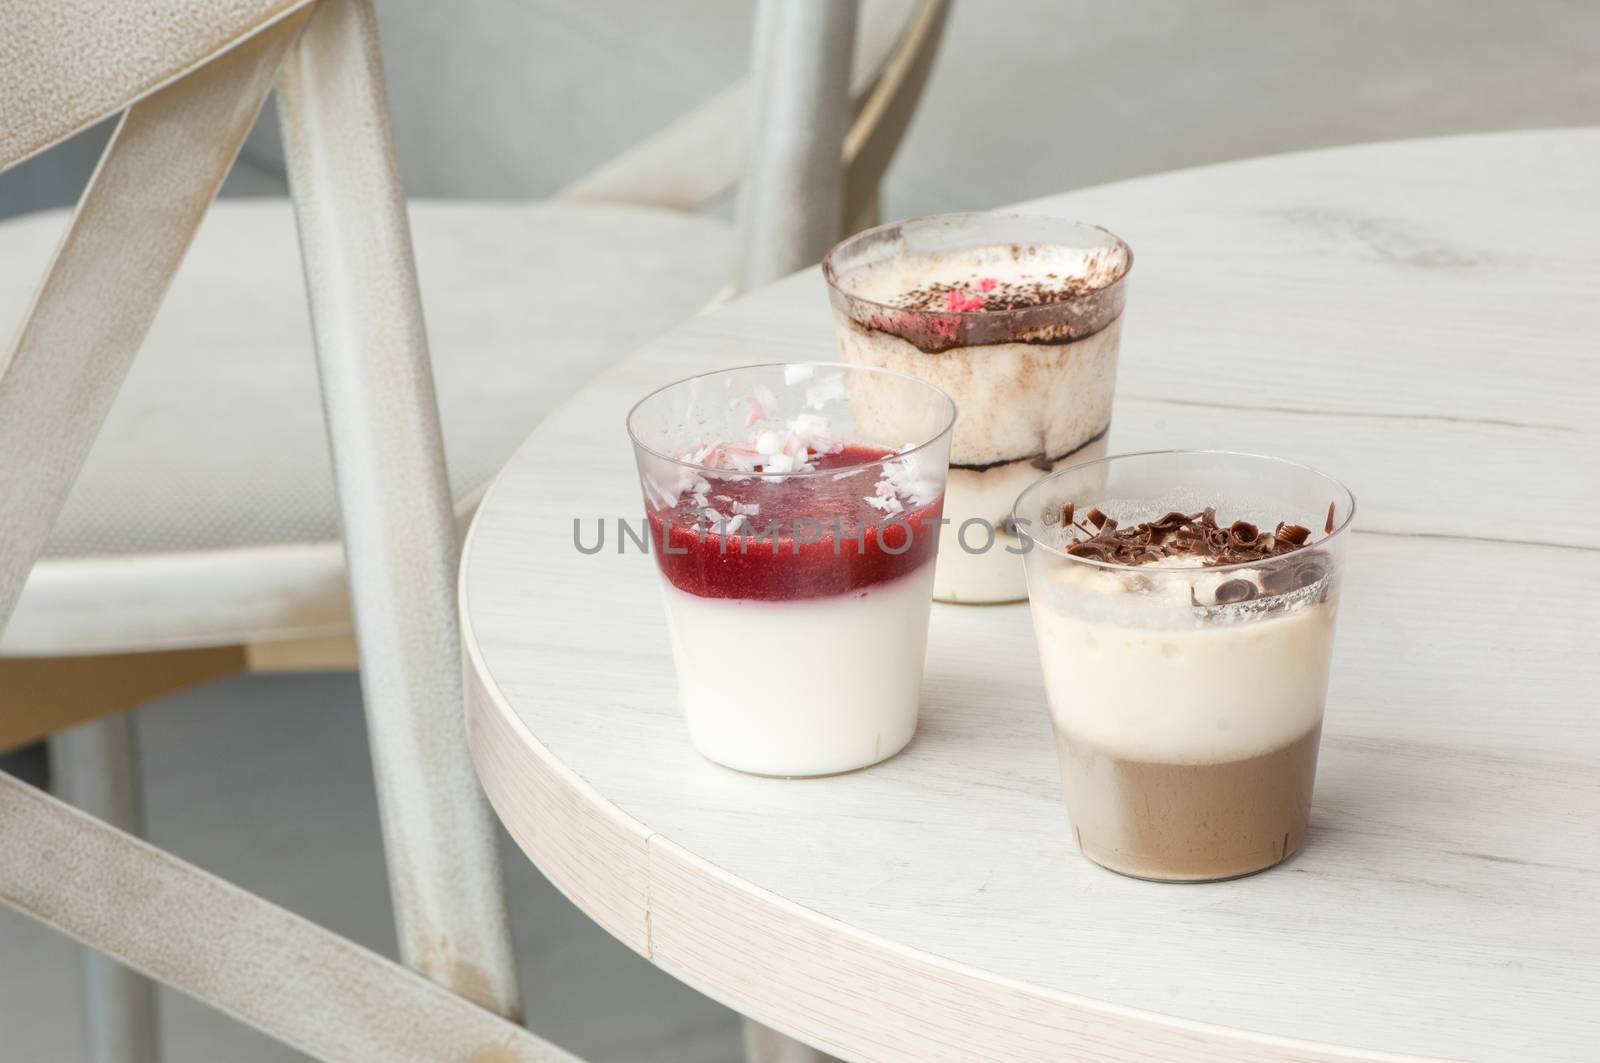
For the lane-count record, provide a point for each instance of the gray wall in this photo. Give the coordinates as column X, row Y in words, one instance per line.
column 501, row 98
column 1059, row 95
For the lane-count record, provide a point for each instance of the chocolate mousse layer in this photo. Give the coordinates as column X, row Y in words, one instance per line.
column 1180, row 821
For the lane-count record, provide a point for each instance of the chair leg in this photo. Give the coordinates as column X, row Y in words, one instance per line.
column 791, row 202
column 401, row 548
column 296, row 982
column 763, row 1044
column 94, row 766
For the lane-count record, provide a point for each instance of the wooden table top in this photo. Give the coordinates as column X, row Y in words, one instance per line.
column 1418, row 319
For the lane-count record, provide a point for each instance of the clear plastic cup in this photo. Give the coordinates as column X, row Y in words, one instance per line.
column 1186, row 695
column 794, row 516
column 1019, row 319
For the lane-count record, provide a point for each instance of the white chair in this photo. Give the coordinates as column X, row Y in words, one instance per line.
column 228, row 558
column 202, row 536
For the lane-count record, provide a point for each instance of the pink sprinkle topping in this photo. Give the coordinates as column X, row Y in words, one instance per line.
column 987, row 284
column 960, row 302
column 905, row 321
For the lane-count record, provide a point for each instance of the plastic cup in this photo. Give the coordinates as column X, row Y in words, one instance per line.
column 1019, row 319
column 794, row 516
column 1187, row 696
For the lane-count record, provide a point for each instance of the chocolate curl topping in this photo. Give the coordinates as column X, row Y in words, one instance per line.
column 1191, row 535
column 1294, row 575
column 1235, row 590
column 1293, row 535
column 1279, row 580
column 1327, row 528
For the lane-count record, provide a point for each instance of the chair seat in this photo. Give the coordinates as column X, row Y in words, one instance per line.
column 217, row 438
column 216, row 442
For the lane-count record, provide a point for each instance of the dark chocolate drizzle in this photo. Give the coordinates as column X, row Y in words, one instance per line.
column 1037, row 460
column 1036, row 326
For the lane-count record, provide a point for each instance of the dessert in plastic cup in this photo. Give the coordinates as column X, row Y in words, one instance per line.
column 793, row 516
column 1184, row 604
column 1018, row 318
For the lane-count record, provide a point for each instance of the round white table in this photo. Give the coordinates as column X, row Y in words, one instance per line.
column 1419, row 319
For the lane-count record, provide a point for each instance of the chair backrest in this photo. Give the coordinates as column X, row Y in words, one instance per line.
column 479, row 120
column 67, row 64
column 468, row 97
column 701, row 157
column 189, row 99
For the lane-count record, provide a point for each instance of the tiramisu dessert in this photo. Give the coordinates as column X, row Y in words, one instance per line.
column 796, row 551
column 1185, row 642
column 1018, row 319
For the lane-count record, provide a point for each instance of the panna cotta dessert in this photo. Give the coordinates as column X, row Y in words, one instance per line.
column 795, row 547
column 1019, row 320
column 1184, row 609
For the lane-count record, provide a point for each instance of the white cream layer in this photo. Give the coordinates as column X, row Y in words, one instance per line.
column 989, row 495
column 1145, row 677
column 808, row 687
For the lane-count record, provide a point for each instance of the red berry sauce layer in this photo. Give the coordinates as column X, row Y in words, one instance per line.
column 774, row 553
